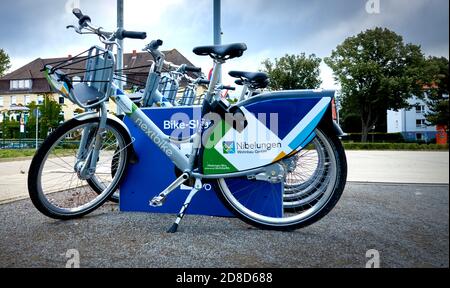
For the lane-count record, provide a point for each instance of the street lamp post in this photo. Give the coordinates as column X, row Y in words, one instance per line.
column 217, row 29
column 37, row 125
column 120, row 48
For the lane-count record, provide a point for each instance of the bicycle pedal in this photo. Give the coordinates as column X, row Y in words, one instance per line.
column 157, row 201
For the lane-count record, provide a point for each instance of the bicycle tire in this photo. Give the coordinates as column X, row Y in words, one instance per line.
column 38, row 197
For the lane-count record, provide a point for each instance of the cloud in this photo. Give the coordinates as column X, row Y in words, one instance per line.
column 31, row 29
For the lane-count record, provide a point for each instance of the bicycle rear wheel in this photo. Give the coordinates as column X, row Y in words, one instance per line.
column 267, row 206
column 56, row 187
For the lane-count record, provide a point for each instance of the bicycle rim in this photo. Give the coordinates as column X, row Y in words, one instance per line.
column 59, row 186
column 265, row 203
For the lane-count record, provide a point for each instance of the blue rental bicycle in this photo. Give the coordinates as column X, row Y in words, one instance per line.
column 244, row 150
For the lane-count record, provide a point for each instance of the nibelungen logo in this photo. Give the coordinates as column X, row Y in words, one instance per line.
column 229, row 147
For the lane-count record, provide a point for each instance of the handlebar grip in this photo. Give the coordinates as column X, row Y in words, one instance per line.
column 228, row 88
column 193, row 69
column 77, row 12
column 81, row 17
column 132, row 35
column 203, row 82
column 157, row 43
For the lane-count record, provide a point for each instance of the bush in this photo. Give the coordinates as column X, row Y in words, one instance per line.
column 4, row 153
column 377, row 137
column 395, row 146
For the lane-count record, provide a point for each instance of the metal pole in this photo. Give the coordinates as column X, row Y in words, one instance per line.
column 120, row 48
column 37, row 124
column 217, row 29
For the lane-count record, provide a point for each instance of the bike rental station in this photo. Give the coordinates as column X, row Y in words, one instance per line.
column 273, row 158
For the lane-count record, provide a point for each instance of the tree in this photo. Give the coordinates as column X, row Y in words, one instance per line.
column 49, row 116
column 437, row 100
column 294, row 72
column 4, row 62
column 377, row 72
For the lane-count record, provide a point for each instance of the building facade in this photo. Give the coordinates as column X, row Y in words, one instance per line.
column 27, row 84
column 411, row 123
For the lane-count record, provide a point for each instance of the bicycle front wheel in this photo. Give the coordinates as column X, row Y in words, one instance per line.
column 269, row 206
column 55, row 184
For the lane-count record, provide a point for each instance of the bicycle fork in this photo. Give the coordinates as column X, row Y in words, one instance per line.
column 87, row 162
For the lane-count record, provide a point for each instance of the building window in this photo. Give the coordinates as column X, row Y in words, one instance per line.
column 13, row 100
column 419, row 136
column 61, row 99
column 1, row 100
column 20, row 84
column 40, row 99
column 420, row 109
column 27, row 99
column 420, row 123
column 14, row 84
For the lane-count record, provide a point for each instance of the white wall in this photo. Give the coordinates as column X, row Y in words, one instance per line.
column 405, row 120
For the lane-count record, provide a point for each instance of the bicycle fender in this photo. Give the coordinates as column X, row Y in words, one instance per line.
column 94, row 114
column 279, row 124
column 338, row 130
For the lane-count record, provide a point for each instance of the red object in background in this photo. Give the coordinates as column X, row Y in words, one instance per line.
column 210, row 74
column 333, row 109
column 441, row 135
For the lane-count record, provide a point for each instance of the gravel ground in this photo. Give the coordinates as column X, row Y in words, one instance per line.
column 407, row 224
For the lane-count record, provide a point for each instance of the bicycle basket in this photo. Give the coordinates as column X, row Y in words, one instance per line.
column 169, row 88
column 87, row 87
column 188, row 96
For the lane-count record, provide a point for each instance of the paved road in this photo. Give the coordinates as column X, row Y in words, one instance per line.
column 407, row 224
column 364, row 166
column 398, row 166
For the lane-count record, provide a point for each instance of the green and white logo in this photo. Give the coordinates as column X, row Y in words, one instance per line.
column 229, row 147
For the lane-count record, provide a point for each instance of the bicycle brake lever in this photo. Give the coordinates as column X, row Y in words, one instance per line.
column 77, row 29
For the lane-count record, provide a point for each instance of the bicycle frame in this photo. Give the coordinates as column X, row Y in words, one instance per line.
column 164, row 142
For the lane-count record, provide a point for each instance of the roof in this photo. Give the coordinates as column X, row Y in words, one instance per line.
column 32, row 69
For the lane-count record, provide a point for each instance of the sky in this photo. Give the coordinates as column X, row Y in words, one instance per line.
column 31, row 29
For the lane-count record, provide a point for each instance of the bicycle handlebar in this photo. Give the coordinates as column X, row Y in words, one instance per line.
column 84, row 22
column 131, row 34
column 221, row 87
column 193, row 69
column 154, row 45
column 203, row 82
column 228, row 88
column 82, row 19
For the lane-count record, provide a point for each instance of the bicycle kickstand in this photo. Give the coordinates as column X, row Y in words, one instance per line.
column 197, row 187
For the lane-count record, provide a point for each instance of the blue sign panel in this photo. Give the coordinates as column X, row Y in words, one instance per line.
column 154, row 171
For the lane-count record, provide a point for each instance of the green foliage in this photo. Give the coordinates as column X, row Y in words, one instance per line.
column 5, row 62
column 395, row 146
column 6, row 153
column 10, row 128
column 376, row 137
column 437, row 71
column 294, row 72
column 49, row 117
column 377, row 72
